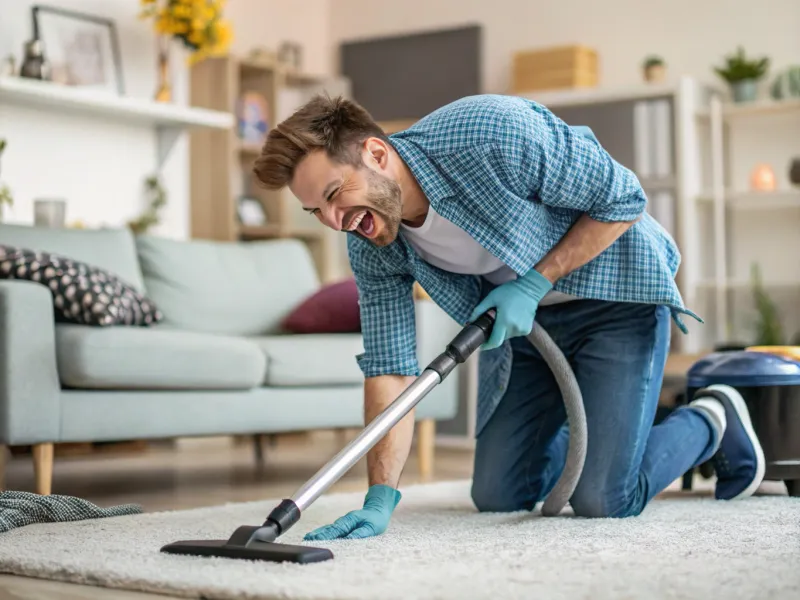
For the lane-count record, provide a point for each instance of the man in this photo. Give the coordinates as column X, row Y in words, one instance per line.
column 492, row 201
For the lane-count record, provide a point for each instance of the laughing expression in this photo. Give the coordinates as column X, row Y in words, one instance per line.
column 362, row 200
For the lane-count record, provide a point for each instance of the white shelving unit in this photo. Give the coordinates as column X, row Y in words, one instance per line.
column 693, row 154
column 168, row 120
column 741, row 227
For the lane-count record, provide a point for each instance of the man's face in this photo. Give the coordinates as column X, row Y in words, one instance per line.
column 364, row 200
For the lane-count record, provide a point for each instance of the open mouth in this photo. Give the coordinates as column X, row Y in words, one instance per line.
column 363, row 222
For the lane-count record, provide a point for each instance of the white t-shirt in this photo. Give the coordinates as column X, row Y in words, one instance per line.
column 445, row 245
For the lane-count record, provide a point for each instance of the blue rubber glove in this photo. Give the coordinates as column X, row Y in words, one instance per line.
column 372, row 519
column 516, row 303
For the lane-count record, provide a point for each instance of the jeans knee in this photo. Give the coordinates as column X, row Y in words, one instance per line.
column 493, row 498
column 598, row 505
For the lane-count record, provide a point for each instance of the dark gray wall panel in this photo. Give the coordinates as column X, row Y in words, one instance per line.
column 409, row 76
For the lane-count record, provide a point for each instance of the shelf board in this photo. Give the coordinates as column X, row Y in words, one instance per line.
column 249, row 149
column 390, row 127
column 261, row 64
column 747, row 200
column 43, row 94
column 732, row 110
column 301, row 78
column 274, row 231
column 657, row 184
column 598, row 95
column 253, row 232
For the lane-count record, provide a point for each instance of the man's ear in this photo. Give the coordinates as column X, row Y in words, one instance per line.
column 376, row 152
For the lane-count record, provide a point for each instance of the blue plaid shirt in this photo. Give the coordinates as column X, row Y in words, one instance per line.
column 515, row 177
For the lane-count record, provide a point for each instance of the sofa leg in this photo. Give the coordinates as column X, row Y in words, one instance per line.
column 43, row 468
column 258, row 450
column 426, row 438
column 3, row 458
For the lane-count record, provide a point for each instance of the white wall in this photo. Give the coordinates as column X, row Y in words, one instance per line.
column 691, row 35
column 100, row 167
column 270, row 22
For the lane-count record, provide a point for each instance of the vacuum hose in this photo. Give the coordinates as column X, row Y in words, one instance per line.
column 576, row 419
column 475, row 334
column 467, row 341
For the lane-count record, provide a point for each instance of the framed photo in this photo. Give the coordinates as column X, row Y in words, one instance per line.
column 82, row 49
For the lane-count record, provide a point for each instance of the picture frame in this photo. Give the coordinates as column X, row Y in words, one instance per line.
column 81, row 49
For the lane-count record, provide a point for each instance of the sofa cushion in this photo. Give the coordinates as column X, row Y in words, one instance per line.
column 332, row 309
column 113, row 250
column 81, row 292
column 303, row 360
column 155, row 358
column 244, row 288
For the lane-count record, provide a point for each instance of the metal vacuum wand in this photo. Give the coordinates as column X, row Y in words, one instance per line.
column 458, row 351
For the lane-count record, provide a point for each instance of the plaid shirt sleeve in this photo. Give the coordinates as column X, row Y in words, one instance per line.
column 565, row 166
column 388, row 319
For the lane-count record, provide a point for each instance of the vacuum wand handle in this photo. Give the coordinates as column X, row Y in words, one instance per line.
column 473, row 335
column 464, row 344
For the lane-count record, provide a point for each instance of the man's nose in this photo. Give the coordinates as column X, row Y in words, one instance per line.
column 332, row 217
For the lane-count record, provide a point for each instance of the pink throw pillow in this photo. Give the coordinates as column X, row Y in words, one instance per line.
column 332, row 309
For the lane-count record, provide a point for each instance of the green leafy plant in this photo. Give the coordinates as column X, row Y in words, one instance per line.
column 653, row 61
column 150, row 217
column 739, row 68
column 6, row 199
column 769, row 331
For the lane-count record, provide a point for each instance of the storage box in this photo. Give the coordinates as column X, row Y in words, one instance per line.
column 554, row 68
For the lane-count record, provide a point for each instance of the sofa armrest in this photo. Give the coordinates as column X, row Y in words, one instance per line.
column 435, row 329
column 29, row 385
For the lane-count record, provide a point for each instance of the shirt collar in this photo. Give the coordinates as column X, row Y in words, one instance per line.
column 433, row 183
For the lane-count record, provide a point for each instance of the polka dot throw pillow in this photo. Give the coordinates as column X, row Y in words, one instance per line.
column 82, row 293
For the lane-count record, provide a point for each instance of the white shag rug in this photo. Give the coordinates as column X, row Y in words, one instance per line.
column 438, row 546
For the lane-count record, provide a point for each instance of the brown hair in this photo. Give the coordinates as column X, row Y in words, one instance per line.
column 335, row 125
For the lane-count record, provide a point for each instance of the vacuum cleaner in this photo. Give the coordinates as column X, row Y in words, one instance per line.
column 258, row 542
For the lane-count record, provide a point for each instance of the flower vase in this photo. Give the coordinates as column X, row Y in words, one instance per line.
column 164, row 89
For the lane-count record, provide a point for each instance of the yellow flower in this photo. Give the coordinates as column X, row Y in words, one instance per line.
column 163, row 25
column 183, row 12
column 197, row 38
column 224, row 34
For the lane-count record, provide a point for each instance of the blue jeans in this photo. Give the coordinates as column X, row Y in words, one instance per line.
column 618, row 352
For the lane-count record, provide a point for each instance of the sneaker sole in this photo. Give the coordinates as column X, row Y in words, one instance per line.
column 740, row 407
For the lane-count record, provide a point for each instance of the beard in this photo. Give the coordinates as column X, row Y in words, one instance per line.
column 384, row 200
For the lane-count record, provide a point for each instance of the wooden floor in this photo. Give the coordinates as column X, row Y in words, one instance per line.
column 197, row 473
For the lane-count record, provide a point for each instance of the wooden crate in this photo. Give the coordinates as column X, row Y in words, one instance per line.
column 554, row 68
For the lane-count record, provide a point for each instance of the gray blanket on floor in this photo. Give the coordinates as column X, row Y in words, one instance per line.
column 18, row 509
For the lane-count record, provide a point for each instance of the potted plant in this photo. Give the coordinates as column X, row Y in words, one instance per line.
column 743, row 75
column 654, row 68
column 6, row 199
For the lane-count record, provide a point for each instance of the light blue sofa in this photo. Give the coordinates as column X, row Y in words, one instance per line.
column 218, row 364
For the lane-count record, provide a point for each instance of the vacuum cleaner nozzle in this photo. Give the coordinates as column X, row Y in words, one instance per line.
column 256, row 542
column 268, row 551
